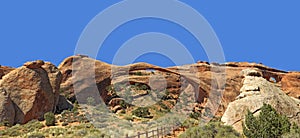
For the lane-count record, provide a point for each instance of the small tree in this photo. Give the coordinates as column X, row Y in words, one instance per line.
column 50, row 119
column 269, row 124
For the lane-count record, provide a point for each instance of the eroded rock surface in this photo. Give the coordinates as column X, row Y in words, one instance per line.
column 255, row 92
column 219, row 84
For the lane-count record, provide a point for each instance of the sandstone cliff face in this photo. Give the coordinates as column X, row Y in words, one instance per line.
column 38, row 83
column 254, row 93
column 31, row 90
column 208, row 80
column 83, row 73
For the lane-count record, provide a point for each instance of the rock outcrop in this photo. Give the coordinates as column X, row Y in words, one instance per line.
column 210, row 81
column 7, row 111
column 31, row 90
column 4, row 70
column 34, row 64
column 91, row 72
column 255, row 92
column 291, row 84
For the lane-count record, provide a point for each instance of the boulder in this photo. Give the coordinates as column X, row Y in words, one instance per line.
column 7, row 111
column 55, row 78
column 31, row 92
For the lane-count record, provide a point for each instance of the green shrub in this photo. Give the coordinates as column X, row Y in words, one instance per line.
column 123, row 104
column 211, row 130
column 138, row 73
column 190, row 122
column 267, row 124
column 32, row 126
column 75, row 107
column 50, row 119
column 195, row 115
column 144, row 87
column 141, row 112
column 294, row 132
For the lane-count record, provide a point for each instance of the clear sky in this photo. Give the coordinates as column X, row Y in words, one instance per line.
column 262, row 31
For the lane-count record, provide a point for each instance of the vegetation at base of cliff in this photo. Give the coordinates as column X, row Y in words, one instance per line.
column 19, row 130
column 50, row 119
column 141, row 112
column 269, row 124
column 35, row 129
column 211, row 130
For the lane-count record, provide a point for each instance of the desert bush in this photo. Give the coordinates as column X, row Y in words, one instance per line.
column 267, row 124
column 141, row 112
column 144, row 87
column 32, row 126
column 294, row 132
column 195, row 115
column 18, row 130
column 75, row 107
column 124, row 104
column 190, row 122
column 138, row 73
column 210, row 130
column 50, row 119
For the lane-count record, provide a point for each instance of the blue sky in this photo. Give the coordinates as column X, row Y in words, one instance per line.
column 255, row 31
